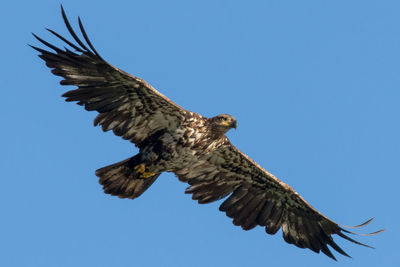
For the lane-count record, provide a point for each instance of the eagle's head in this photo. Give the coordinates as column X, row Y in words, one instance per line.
column 223, row 123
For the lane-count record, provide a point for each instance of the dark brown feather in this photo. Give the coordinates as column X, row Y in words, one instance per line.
column 261, row 199
column 124, row 101
column 120, row 179
column 134, row 110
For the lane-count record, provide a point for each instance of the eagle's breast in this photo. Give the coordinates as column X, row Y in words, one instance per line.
column 184, row 146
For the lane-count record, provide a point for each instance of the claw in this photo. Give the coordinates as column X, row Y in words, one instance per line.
column 147, row 174
column 141, row 168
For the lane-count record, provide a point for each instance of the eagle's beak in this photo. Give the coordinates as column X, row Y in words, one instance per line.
column 234, row 124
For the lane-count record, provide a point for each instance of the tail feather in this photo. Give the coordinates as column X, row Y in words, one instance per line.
column 120, row 179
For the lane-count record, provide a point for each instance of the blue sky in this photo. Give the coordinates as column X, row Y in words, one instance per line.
column 315, row 88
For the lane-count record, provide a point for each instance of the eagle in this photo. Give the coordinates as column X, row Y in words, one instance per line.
column 193, row 147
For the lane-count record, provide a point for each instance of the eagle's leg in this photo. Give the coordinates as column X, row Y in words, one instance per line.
column 144, row 173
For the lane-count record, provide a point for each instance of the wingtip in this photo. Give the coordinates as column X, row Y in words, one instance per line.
column 37, row 38
column 352, row 240
column 34, row 47
column 63, row 14
column 360, row 225
column 37, row 49
column 328, row 253
column 359, row 234
column 377, row 232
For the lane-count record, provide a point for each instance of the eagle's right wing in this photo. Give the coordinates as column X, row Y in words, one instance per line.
column 128, row 106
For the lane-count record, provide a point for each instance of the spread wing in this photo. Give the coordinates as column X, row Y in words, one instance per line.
column 259, row 198
column 128, row 106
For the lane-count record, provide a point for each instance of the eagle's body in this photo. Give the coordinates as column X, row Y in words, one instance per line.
column 176, row 150
column 170, row 151
column 194, row 148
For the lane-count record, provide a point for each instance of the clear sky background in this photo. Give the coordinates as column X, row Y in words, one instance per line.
column 315, row 88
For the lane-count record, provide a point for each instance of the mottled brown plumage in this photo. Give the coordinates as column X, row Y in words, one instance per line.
column 195, row 148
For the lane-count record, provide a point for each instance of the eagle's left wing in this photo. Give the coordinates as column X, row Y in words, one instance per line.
column 259, row 198
column 128, row 106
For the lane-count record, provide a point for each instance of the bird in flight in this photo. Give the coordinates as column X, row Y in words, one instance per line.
column 193, row 147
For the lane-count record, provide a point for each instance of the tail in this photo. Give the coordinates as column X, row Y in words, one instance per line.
column 123, row 180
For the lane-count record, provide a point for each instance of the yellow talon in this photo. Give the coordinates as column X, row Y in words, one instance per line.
column 147, row 174
column 141, row 168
